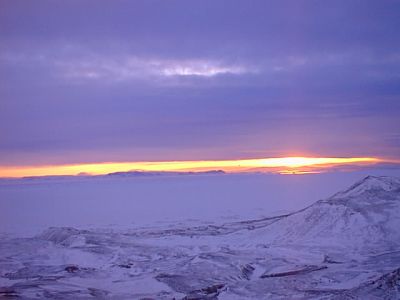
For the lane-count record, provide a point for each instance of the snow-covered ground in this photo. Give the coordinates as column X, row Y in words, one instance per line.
column 201, row 237
column 28, row 206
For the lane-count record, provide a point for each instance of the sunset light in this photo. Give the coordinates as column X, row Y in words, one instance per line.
column 283, row 165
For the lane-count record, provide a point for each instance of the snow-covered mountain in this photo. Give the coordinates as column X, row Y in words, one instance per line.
column 343, row 247
column 365, row 217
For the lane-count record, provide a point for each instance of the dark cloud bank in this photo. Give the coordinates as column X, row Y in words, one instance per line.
column 89, row 81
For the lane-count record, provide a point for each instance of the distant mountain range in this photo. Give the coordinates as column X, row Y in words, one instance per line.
column 134, row 173
column 161, row 173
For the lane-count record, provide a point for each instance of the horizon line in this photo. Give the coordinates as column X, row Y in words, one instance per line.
column 283, row 165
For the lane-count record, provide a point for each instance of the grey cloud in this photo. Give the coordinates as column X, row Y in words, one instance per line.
column 129, row 80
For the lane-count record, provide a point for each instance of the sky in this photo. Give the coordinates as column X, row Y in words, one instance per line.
column 125, row 81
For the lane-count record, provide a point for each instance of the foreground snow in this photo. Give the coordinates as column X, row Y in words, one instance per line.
column 344, row 247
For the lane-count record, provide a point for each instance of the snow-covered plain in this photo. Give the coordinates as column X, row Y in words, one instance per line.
column 29, row 206
column 201, row 237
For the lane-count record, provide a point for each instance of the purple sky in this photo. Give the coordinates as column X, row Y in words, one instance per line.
column 86, row 81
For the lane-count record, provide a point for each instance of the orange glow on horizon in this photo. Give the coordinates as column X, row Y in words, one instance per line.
column 283, row 165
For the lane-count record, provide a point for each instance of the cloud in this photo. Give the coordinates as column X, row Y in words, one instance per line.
column 183, row 79
column 131, row 68
column 202, row 68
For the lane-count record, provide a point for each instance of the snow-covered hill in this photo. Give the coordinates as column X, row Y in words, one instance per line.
column 365, row 217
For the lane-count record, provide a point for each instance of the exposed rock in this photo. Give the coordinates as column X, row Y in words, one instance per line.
column 305, row 270
column 210, row 292
column 71, row 269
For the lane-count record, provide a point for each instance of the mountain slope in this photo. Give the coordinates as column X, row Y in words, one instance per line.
column 364, row 217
